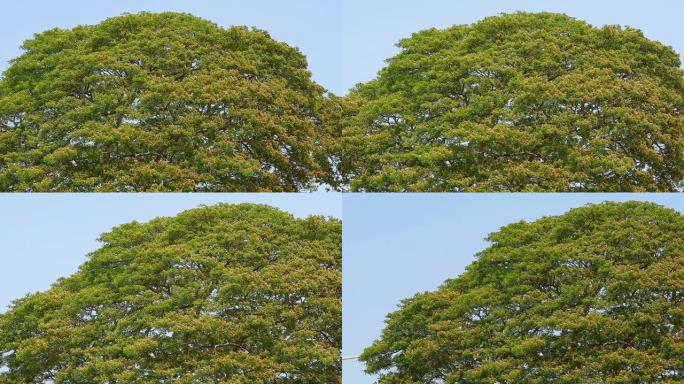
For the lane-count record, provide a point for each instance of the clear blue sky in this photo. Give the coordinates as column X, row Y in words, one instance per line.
column 396, row 245
column 346, row 41
column 46, row 236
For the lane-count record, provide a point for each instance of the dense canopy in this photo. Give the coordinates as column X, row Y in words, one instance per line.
column 227, row 293
column 592, row 296
column 524, row 101
column 160, row 102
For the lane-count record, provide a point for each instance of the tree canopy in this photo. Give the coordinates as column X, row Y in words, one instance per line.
column 518, row 102
column 165, row 102
column 592, row 296
column 228, row 293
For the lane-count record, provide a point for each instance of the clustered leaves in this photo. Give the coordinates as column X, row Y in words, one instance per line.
column 164, row 102
column 227, row 293
column 517, row 102
column 592, row 296
column 520, row 102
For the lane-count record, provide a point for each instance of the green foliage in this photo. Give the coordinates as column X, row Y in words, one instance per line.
column 227, row 293
column 164, row 102
column 592, row 296
column 521, row 102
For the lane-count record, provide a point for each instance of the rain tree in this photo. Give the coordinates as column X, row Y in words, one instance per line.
column 164, row 102
column 519, row 102
column 592, row 296
column 226, row 293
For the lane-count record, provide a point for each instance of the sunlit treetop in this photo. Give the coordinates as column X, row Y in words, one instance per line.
column 221, row 294
column 595, row 295
column 524, row 101
column 160, row 102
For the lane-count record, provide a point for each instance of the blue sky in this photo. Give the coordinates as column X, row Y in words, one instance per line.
column 345, row 41
column 46, row 236
column 396, row 245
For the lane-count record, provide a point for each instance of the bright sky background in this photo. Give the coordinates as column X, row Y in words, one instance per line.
column 46, row 236
column 394, row 245
column 397, row 245
column 345, row 41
